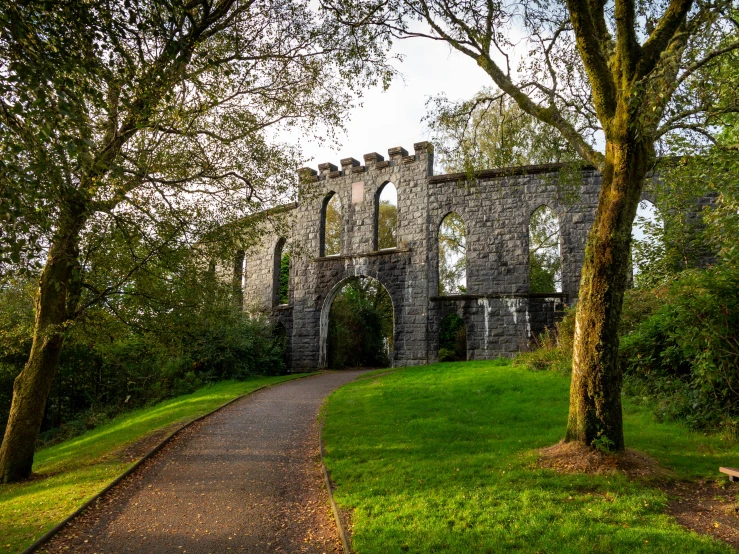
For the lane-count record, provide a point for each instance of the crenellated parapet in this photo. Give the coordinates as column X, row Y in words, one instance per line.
column 397, row 156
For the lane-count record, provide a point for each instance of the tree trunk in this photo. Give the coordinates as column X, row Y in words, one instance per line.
column 595, row 417
column 55, row 299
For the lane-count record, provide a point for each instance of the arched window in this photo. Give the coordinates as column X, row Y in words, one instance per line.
column 239, row 278
column 452, row 255
column 281, row 284
column 545, row 261
column 647, row 245
column 452, row 339
column 386, row 212
column 331, row 226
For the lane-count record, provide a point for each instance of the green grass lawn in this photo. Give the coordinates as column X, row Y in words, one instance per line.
column 441, row 459
column 75, row 470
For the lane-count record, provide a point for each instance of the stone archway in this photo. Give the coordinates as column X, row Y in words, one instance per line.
column 326, row 311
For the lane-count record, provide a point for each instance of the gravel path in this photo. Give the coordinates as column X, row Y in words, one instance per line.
column 246, row 479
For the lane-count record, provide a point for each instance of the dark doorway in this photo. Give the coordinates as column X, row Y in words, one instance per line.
column 281, row 347
column 360, row 328
column 452, row 339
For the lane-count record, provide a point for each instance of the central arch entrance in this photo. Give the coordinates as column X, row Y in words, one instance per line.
column 357, row 325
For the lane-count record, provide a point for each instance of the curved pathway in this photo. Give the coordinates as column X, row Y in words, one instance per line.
column 246, row 479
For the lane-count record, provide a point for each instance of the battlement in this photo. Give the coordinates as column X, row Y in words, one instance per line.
column 372, row 161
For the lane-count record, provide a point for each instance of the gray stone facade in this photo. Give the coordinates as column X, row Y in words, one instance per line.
column 498, row 310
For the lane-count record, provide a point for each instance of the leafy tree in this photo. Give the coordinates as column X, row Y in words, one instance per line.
column 183, row 331
column 283, row 294
column 332, row 227
column 387, row 225
column 491, row 131
column 361, row 325
column 544, row 258
column 629, row 71
column 147, row 124
column 452, row 255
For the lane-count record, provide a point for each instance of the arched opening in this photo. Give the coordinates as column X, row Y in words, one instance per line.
column 452, row 255
column 281, row 275
column 452, row 339
column 545, row 261
column 282, row 346
column 647, row 246
column 357, row 325
column 239, row 278
column 386, row 214
column 331, row 226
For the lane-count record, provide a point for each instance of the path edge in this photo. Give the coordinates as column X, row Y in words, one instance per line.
column 345, row 542
column 46, row 537
column 334, row 508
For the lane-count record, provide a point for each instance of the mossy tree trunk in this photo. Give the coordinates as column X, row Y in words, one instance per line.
column 595, row 391
column 56, row 299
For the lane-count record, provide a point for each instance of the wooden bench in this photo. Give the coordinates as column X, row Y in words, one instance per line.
column 731, row 472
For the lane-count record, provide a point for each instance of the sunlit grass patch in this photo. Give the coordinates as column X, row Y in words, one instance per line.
column 442, row 459
column 69, row 473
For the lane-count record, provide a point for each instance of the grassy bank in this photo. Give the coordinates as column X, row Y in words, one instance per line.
column 69, row 473
column 441, row 459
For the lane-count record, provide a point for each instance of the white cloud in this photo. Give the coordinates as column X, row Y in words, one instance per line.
column 393, row 118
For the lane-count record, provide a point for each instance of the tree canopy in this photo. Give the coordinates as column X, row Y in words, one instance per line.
column 129, row 129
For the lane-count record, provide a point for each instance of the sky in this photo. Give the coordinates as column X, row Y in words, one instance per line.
column 393, row 118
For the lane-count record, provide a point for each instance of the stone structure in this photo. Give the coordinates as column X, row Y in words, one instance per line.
column 498, row 310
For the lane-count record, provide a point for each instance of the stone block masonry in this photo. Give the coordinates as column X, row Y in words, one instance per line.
column 497, row 308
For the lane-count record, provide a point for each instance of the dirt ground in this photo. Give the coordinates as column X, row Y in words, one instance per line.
column 707, row 507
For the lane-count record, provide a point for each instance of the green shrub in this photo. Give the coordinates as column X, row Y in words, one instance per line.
column 640, row 304
column 107, row 367
column 685, row 355
column 553, row 348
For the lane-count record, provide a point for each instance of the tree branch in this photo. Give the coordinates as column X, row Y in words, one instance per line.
column 659, row 40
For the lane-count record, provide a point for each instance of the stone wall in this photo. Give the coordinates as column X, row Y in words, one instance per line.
column 497, row 308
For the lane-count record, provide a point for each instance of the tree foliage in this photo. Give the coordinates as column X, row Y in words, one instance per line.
column 361, row 326
column 387, row 225
column 332, row 227
column 185, row 335
column 545, row 262
column 129, row 129
column 452, row 255
column 685, row 353
column 283, row 293
column 491, row 131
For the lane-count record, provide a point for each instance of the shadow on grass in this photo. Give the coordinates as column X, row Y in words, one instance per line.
column 441, row 458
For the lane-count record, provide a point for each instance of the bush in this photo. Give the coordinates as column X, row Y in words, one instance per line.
column 553, row 348
column 107, row 367
column 447, row 355
column 685, row 355
column 639, row 305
